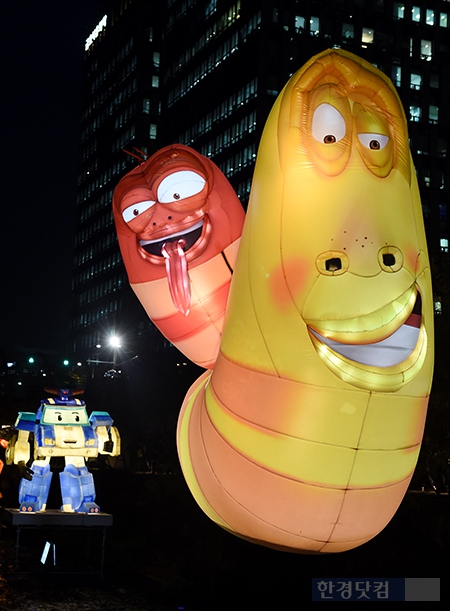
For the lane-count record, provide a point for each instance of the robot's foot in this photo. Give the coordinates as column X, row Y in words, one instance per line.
column 31, row 506
column 89, row 508
column 83, row 508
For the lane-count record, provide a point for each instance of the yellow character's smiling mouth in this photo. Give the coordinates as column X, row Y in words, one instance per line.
column 388, row 347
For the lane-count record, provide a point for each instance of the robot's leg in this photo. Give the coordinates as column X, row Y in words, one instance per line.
column 77, row 489
column 33, row 494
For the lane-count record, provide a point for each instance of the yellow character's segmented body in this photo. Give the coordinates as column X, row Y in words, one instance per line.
column 306, row 434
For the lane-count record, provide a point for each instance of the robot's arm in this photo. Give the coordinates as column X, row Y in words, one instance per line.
column 108, row 435
column 108, row 440
column 18, row 449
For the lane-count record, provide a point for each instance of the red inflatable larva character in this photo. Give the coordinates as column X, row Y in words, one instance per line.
column 179, row 223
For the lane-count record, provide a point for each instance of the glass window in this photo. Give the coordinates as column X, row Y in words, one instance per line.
column 211, row 8
column 155, row 81
column 444, row 244
column 299, row 23
column 437, row 305
column 443, row 20
column 399, row 10
column 415, row 113
column 416, row 13
column 314, row 26
column 146, row 106
column 433, row 113
column 426, row 50
column 434, row 81
column 416, row 80
column 367, row 36
column 430, row 16
column 348, row 31
column 156, row 59
column 152, row 131
column 397, row 75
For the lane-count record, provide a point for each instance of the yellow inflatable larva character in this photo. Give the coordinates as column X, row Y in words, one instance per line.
column 306, row 434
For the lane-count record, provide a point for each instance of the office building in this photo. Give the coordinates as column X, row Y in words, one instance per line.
column 206, row 73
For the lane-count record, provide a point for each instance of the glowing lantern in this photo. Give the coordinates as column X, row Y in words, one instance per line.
column 179, row 223
column 306, row 434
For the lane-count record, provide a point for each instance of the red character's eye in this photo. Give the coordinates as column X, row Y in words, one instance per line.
column 136, row 209
column 186, row 183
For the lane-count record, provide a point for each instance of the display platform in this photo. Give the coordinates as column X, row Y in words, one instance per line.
column 54, row 517
column 51, row 522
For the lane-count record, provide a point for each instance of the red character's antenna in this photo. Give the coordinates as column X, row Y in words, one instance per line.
column 141, row 156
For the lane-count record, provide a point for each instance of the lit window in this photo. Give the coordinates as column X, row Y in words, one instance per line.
column 155, row 81
column 347, row 31
column 299, row 23
column 397, row 75
column 437, row 305
column 444, row 244
column 156, row 59
column 399, row 10
column 146, row 106
column 443, row 20
column 426, row 50
column 416, row 13
column 430, row 16
column 367, row 36
column 314, row 26
column 211, row 8
column 433, row 113
column 152, row 131
column 150, row 34
column 415, row 113
column 416, row 80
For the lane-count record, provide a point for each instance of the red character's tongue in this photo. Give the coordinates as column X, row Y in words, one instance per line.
column 177, row 276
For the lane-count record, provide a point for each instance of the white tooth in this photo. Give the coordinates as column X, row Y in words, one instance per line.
column 387, row 353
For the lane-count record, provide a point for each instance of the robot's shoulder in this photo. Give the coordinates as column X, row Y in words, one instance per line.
column 100, row 419
column 26, row 421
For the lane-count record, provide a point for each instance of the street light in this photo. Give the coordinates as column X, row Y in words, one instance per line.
column 114, row 341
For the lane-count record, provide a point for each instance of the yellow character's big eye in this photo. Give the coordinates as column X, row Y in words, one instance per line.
column 330, row 129
column 375, row 143
column 328, row 125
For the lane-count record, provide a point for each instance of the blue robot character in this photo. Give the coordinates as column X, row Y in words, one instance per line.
column 61, row 427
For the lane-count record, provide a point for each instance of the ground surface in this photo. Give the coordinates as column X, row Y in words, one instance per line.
column 163, row 554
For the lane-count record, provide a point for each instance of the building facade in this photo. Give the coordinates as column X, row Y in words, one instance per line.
column 206, row 73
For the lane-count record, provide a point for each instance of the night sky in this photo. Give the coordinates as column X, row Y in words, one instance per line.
column 43, row 47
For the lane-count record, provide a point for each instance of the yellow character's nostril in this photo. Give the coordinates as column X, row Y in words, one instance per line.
column 332, row 263
column 390, row 259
